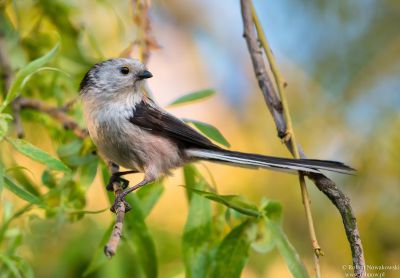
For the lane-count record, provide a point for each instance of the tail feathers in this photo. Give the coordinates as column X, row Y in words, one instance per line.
column 274, row 163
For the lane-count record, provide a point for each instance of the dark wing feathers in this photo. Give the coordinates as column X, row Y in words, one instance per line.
column 149, row 117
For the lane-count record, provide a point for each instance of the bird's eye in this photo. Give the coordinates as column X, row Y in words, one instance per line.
column 124, row 70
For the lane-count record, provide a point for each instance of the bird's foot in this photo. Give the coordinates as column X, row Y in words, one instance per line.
column 120, row 198
column 117, row 178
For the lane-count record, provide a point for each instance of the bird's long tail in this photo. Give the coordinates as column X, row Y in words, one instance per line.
column 269, row 162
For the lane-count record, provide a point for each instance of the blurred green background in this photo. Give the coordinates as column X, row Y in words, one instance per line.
column 341, row 60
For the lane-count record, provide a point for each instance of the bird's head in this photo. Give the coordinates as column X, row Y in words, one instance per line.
column 114, row 76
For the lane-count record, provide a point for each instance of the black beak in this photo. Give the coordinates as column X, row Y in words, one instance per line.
column 144, row 75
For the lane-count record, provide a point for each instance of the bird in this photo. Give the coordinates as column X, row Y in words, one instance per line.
column 133, row 131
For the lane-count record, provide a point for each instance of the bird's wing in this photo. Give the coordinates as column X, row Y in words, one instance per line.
column 149, row 116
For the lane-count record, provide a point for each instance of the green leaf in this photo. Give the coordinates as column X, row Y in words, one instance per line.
column 233, row 251
column 4, row 119
column 273, row 210
column 10, row 264
column 25, row 73
column 287, row 250
column 23, row 177
column 105, row 174
column 149, row 195
column 193, row 97
column 48, row 179
column 189, row 174
column 137, row 234
column 20, row 192
column 88, row 172
column 37, row 154
column 99, row 258
column 264, row 241
column 14, row 241
column 197, row 235
column 2, row 173
column 210, row 131
column 24, row 267
column 69, row 149
column 232, row 201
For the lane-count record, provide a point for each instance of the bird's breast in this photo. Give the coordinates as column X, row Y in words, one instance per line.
column 129, row 145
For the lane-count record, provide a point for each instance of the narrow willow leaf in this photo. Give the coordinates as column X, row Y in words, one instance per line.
column 48, row 179
column 4, row 119
column 25, row 73
column 24, row 267
column 88, row 172
column 99, row 258
column 197, row 235
column 210, row 131
column 10, row 264
column 273, row 210
column 105, row 174
column 14, row 240
column 44, row 69
column 20, row 192
column 233, row 252
column 189, row 174
column 287, row 250
column 149, row 195
column 137, row 233
column 2, row 173
column 193, row 97
column 37, row 154
column 24, row 177
column 232, row 201
column 69, row 149
column 264, row 241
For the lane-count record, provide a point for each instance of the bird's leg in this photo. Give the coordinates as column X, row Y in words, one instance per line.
column 121, row 197
column 117, row 177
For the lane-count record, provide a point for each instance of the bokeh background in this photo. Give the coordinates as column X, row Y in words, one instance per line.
column 341, row 60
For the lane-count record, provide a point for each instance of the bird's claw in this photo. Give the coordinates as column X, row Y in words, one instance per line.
column 114, row 178
column 120, row 198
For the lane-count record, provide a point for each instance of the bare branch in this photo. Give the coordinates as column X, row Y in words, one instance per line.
column 56, row 113
column 111, row 247
column 324, row 184
column 145, row 42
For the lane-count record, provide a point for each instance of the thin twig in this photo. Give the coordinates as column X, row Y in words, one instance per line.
column 19, row 129
column 57, row 113
column 5, row 66
column 290, row 135
column 145, row 41
column 112, row 245
column 327, row 186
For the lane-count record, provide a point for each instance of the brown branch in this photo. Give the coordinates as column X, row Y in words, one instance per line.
column 324, row 184
column 5, row 66
column 56, row 113
column 19, row 129
column 145, row 41
column 112, row 245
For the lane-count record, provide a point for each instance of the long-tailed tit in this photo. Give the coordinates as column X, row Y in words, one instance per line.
column 131, row 130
